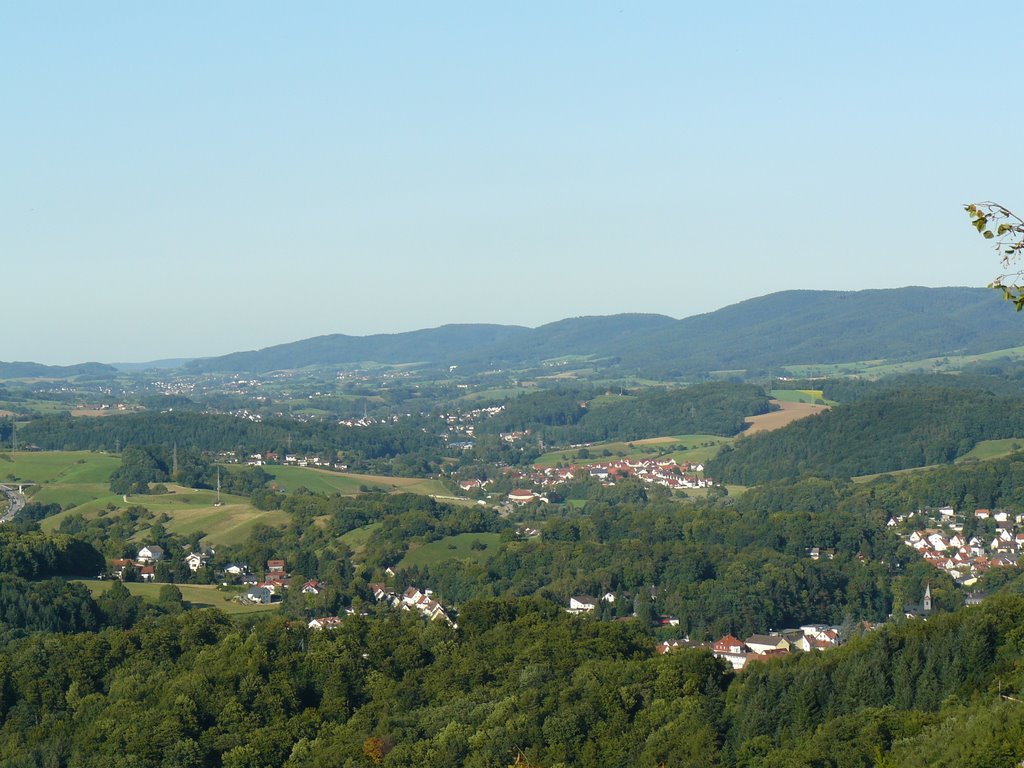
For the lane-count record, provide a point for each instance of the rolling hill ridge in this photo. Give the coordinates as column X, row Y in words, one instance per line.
column 786, row 328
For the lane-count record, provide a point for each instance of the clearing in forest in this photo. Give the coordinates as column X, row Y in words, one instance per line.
column 787, row 414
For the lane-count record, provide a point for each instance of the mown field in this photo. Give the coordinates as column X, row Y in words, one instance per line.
column 326, row 481
column 79, row 482
column 189, row 511
column 199, row 595
column 993, row 449
column 459, row 547
column 788, row 413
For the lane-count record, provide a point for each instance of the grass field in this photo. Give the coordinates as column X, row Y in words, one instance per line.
column 812, row 396
column 324, row 481
column 894, row 473
column 993, row 449
column 356, row 538
column 694, row 448
column 200, row 595
column 79, row 482
column 189, row 511
column 64, row 467
column 457, row 547
column 983, row 451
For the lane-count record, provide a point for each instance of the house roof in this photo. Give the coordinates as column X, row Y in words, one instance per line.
column 764, row 640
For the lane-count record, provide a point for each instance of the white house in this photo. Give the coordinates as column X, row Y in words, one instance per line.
column 150, row 554
column 196, row 560
column 582, row 604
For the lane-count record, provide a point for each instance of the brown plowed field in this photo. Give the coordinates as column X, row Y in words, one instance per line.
column 789, row 413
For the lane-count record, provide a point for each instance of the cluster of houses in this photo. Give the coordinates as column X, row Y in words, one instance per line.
column 464, row 423
column 369, row 421
column 940, row 539
column 276, row 581
column 412, row 600
column 290, row 459
column 664, row 472
column 146, row 559
column 811, row 637
column 586, row 604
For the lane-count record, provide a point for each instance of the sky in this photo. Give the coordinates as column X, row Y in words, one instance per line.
column 189, row 179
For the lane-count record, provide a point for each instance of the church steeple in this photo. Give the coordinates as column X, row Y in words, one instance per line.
column 926, row 604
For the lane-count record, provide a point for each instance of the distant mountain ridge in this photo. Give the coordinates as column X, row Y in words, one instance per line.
column 786, row 328
column 21, row 370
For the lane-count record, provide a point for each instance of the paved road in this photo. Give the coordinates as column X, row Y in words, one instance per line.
column 16, row 502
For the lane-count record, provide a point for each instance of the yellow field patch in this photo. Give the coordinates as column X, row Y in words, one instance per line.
column 787, row 414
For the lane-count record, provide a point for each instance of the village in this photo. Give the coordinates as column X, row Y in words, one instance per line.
column 662, row 472
column 963, row 545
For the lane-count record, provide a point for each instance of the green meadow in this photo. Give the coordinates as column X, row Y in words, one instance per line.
column 199, row 595
column 79, row 482
column 63, row 467
column 985, row 450
column 189, row 511
column 993, row 449
column 692, row 448
column 811, row 396
column 459, row 547
column 348, row 484
column 357, row 538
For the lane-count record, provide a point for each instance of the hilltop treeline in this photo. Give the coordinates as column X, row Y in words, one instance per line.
column 893, row 429
column 519, row 683
column 564, row 417
column 219, row 432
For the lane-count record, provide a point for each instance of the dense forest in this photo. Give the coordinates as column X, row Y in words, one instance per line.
column 407, row 439
column 888, row 430
column 519, row 682
column 114, row 680
column 565, row 417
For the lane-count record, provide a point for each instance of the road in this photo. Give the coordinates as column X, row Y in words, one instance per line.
column 16, row 502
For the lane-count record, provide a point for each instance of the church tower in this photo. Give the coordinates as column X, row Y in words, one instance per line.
column 926, row 605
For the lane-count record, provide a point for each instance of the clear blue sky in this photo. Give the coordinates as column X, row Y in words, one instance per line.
column 200, row 178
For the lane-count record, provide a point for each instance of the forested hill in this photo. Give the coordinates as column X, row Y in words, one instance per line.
column 434, row 345
column 894, row 429
column 791, row 327
column 38, row 370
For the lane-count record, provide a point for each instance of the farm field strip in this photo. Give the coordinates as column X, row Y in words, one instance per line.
column 695, row 448
column 199, row 595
